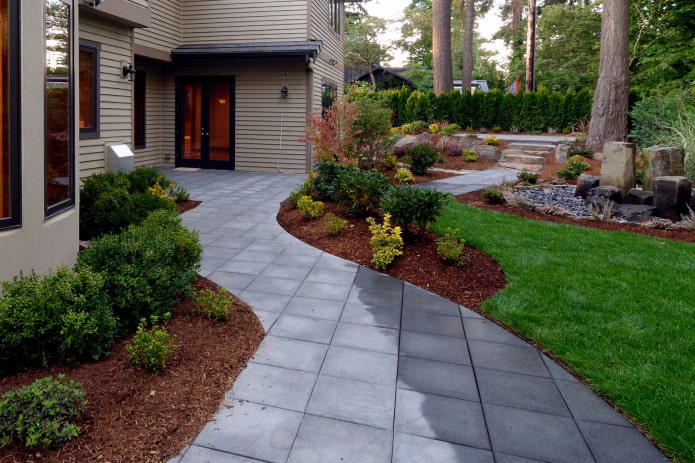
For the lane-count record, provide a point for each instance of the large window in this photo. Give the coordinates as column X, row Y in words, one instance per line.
column 89, row 89
column 140, row 97
column 336, row 15
column 60, row 154
column 9, row 115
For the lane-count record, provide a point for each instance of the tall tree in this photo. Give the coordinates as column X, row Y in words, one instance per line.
column 361, row 42
column 531, row 47
column 467, row 71
column 441, row 46
column 609, row 111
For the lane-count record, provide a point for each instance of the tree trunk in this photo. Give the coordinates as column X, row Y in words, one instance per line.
column 441, row 46
column 372, row 77
column 609, row 111
column 467, row 74
column 531, row 47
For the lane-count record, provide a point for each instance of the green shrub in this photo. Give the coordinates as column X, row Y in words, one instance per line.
column 144, row 178
column 574, row 167
column 422, row 158
column 493, row 196
column 404, row 175
column 528, row 177
column 410, row 204
column 470, row 157
column 328, row 175
column 334, row 224
column 360, row 191
column 386, row 241
column 63, row 317
column 372, row 130
column 497, row 128
column 305, row 189
column 147, row 267
column 41, row 414
column 390, row 161
column 151, row 349
column 451, row 248
column 179, row 194
column 215, row 305
column 309, row 208
column 434, row 128
column 491, row 140
column 449, row 129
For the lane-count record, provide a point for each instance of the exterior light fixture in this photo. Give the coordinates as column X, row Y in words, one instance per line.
column 129, row 72
column 284, row 93
column 93, row 3
column 333, row 61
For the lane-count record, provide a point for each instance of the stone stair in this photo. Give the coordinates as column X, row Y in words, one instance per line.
column 528, row 157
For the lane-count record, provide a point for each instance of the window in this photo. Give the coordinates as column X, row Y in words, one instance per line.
column 89, row 89
column 60, row 150
column 336, row 10
column 9, row 115
column 329, row 93
column 139, row 132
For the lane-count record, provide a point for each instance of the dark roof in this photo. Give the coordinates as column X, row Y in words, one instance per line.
column 381, row 70
column 308, row 48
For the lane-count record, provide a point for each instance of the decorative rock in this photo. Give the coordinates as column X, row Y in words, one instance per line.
column 513, row 157
column 453, row 145
column 618, row 166
column 642, row 197
column 402, row 145
column 662, row 162
column 545, row 148
column 609, row 193
column 487, row 152
column 423, row 139
column 562, row 152
column 585, row 183
column 671, row 196
column 523, row 167
column 635, row 213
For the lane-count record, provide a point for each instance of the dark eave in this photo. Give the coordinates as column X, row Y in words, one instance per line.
column 307, row 49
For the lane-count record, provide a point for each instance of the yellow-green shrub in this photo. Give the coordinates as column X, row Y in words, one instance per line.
column 386, row 241
column 309, row 208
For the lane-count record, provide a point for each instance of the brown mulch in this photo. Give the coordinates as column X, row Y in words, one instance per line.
column 187, row 205
column 135, row 416
column 469, row 285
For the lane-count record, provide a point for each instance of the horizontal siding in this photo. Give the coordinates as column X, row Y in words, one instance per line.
column 164, row 32
column 115, row 92
column 332, row 49
column 244, row 21
column 142, row 3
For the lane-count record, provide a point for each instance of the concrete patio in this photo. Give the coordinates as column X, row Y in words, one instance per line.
column 360, row 367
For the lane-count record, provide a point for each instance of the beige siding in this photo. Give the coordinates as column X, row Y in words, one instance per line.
column 244, row 21
column 165, row 30
column 115, row 92
column 142, row 3
column 332, row 50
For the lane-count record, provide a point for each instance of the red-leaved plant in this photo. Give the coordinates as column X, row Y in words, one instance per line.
column 331, row 133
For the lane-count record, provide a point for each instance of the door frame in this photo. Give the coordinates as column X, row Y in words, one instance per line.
column 204, row 162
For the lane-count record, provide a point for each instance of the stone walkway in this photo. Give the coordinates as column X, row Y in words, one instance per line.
column 360, row 367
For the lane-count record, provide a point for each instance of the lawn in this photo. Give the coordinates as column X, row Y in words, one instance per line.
column 618, row 307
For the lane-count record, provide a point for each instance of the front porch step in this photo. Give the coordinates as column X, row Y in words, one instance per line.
column 522, row 167
column 544, row 147
column 521, row 158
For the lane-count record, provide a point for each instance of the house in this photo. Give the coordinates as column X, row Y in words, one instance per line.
column 225, row 84
column 386, row 78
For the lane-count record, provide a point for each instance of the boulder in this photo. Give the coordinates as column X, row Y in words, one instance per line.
column 637, row 196
column 402, row 145
column 608, row 193
column 618, row 166
column 453, row 145
column 423, row 139
column 585, row 183
column 672, row 196
column 662, row 161
column 562, row 152
column 486, row 152
column 636, row 213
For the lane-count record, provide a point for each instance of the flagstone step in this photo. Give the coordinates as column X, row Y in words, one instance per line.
column 518, row 157
column 522, row 167
column 543, row 147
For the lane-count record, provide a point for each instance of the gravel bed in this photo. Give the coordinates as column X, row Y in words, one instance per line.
column 561, row 197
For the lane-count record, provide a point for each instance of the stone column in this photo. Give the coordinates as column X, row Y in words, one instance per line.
column 662, row 161
column 618, row 166
column 672, row 196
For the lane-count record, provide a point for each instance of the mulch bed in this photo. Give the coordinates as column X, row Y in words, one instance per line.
column 187, row 205
column 135, row 416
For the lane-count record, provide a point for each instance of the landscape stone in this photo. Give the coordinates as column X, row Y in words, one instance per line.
column 405, row 142
column 637, row 196
column 618, row 166
column 453, row 145
column 672, row 195
column 636, row 213
column 662, row 162
column 585, row 183
column 486, row 152
column 609, row 193
column 423, row 139
column 562, row 153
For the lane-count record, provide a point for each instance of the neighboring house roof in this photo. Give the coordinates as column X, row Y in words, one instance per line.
column 308, row 48
column 382, row 74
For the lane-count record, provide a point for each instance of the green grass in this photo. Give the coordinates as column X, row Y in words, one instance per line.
column 618, row 307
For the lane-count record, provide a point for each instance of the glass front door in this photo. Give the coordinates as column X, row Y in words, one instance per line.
column 205, row 123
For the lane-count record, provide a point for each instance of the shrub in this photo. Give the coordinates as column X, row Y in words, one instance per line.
column 575, row 166
column 449, row 129
column 410, row 204
column 179, row 194
column 404, row 175
column 493, row 196
column 390, row 161
column 215, row 305
column 147, row 267
column 434, row 128
column 528, row 177
column 331, row 132
column 491, row 140
column 387, row 243
column 334, row 224
column 63, row 317
column 328, row 176
column 160, row 192
column 371, row 131
column 659, row 223
column 412, row 128
column 360, row 191
column 470, row 157
column 422, row 158
column 41, row 414
column 309, row 208
column 151, row 349
column 497, row 128
column 144, row 178
column 450, row 247
column 305, row 189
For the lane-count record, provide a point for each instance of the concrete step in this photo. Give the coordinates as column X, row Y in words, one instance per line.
column 525, row 167
column 545, row 147
column 519, row 158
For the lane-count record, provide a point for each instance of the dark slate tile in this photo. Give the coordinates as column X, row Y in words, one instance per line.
column 507, row 357
column 587, row 406
column 446, row 379
column 434, row 347
column 430, row 323
column 333, row 277
column 291, row 353
column 324, row 291
column 237, row 266
column 329, row 262
column 619, row 444
column 375, row 297
column 304, row 329
column 504, row 458
column 197, row 454
column 370, row 279
column 485, row 330
column 315, row 308
column 274, row 386
column 273, row 285
column 291, row 272
column 366, row 337
column 264, row 301
column 232, row 281
column 362, row 365
column 415, row 449
column 418, row 299
column 386, row 317
column 557, row 371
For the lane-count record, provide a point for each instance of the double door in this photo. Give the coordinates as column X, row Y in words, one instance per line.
column 205, row 122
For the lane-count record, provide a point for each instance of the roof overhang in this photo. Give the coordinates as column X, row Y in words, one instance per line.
column 308, row 49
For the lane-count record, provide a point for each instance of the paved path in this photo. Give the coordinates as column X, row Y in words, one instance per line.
column 360, row 367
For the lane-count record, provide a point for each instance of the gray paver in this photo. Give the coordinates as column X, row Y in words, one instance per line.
column 264, row 301
column 367, row 337
column 207, row 455
column 420, row 300
column 587, row 406
column 291, row 272
column 415, row 449
column 304, row 329
column 430, row 323
column 371, row 279
column 376, row 297
column 437, row 378
column 478, row 329
column 315, row 308
column 433, row 347
column 231, row 281
column 387, row 317
column 291, row 353
column 362, row 365
column 334, row 277
column 325, row 291
column 619, row 444
column 507, row 357
column 274, row 386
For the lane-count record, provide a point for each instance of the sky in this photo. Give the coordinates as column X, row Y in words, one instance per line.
column 393, row 10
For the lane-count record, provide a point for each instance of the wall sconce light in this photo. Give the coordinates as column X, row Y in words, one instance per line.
column 284, row 93
column 333, row 61
column 129, row 72
column 93, row 3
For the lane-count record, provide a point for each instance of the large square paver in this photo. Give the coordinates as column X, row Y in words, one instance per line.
column 333, row 277
column 362, row 365
column 434, row 347
column 274, row 386
column 480, row 329
column 355, row 401
column 265, row 301
column 252, row 430
column 290, row 272
column 375, row 297
column 536, row 435
column 325, row 291
column 370, row 279
column 323, row 440
column 415, row 449
column 267, row 319
column 507, row 357
column 386, row 317
column 431, row 323
column 619, row 444
column 418, row 299
column 366, row 337
column 197, row 454
column 291, row 353
column 232, row 281
column 446, row 379
column 273, row 285
column 304, row 329
column 314, row 308
column 329, row 262
column 587, row 406
column 442, row 418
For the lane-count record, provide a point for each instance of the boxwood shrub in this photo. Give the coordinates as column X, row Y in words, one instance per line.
column 409, row 204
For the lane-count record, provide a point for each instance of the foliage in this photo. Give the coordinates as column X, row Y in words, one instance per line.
column 449, row 129
column 147, row 267
column 143, row 178
column 404, row 175
column 659, row 223
column 470, row 157
column 214, row 304
column 334, row 224
column 412, row 128
column 491, row 140
column 528, row 177
column 309, row 208
column 390, row 161
column 41, row 414
column 331, row 132
column 687, row 220
column 422, row 158
column 63, row 317
column 451, row 248
column 372, row 131
column 601, row 212
column 574, row 167
column 493, row 196
column 434, row 128
column 326, row 180
column 151, row 349
column 362, row 44
column 179, row 194
column 161, row 192
column 410, row 204
column 386, row 241
column 360, row 191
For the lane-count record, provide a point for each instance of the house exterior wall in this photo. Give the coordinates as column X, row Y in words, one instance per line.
column 165, row 31
column 39, row 244
column 324, row 71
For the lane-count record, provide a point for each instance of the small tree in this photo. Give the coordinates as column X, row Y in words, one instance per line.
column 372, row 130
column 331, row 133
column 361, row 42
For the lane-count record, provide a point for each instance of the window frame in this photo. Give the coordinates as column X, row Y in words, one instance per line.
column 14, row 118
column 91, row 133
column 335, row 10
column 140, row 83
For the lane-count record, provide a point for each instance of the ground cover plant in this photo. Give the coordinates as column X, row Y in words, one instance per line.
column 603, row 303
